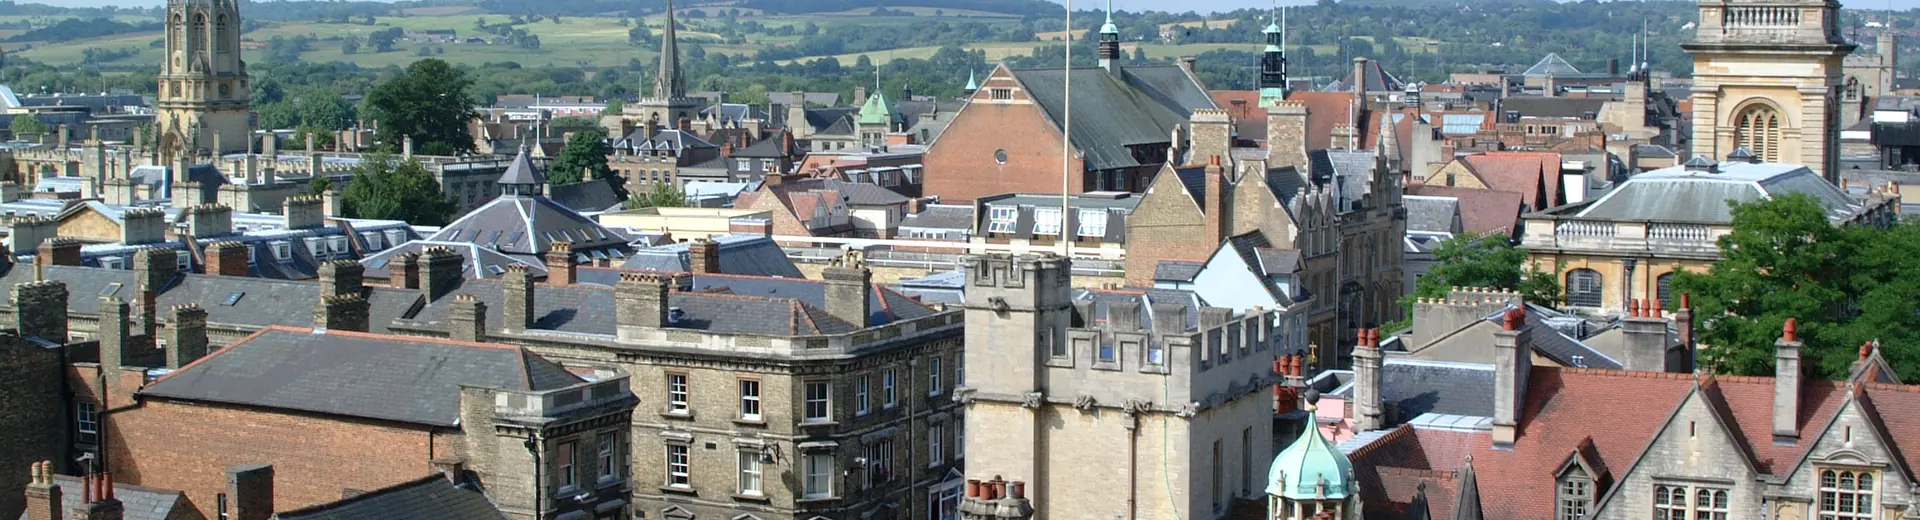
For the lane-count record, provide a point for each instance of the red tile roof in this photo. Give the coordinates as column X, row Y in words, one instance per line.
column 1520, row 172
column 1325, row 110
column 1481, row 211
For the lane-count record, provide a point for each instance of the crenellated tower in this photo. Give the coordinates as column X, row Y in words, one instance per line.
column 204, row 102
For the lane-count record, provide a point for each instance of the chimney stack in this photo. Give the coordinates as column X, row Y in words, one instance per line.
column 1369, row 410
column 404, row 271
column 209, row 220
column 703, row 256
column 303, row 212
column 250, row 492
column 348, row 312
column 60, row 251
column 443, row 270
column 42, row 309
column 1360, row 79
column 516, row 298
column 467, row 319
column 1512, row 364
column 1287, row 135
column 100, row 503
column 1683, row 323
column 849, row 287
column 1786, row 383
column 1216, row 202
column 143, row 226
column 43, row 495
column 1645, row 340
column 640, row 303
column 189, row 341
column 1211, row 134
column 560, row 266
column 116, row 334
column 342, row 277
column 227, row 258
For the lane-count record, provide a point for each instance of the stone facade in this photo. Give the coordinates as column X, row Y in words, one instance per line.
column 204, row 98
column 1769, row 79
column 1179, row 419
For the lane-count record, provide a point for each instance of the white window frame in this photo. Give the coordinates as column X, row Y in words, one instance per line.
column 1093, row 223
column 1046, row 221
column 609, row 454
column 860, row 401
column 879, row 462
column 817, row 479
column 372, row 238
column 1834, row 488
column 751, row 473
column 679, row 466
column 337, row 245
column 936, row 445
column 566, row 454
column 677, row 386
column 933, row 375
column 824, row 401
column 183, row 262
column 282, row 250
column 959, row 440
column 750, row 399
column 890, row 398
column 86, row 419
column 1002, row 219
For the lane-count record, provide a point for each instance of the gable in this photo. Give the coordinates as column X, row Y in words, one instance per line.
column 1853, row 438
column 1463, row 176
column 1255, row 208
column 1227, row 281
column 90, row 225
column 1696, row 447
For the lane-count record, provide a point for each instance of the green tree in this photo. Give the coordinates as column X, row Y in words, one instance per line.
column 319, row 185
column 586, row 152
column 429, row 103
column 383, row 188
column 27, row 124
column 614, row 107
column 351, row 46
column 659, row 195
column 1490, row 261
column 320, row 106
column 1845, row 286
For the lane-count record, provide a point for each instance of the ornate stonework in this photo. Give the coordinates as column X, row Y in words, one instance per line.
column 204, row 100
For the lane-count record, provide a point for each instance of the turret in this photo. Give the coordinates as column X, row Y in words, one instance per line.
column 1273, row 61
column 1110, row 43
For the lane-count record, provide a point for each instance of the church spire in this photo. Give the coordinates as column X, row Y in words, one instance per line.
column 668, row 84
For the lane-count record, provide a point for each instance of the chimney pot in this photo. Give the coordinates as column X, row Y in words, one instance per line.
column 1019, row 489
column 1791, row 331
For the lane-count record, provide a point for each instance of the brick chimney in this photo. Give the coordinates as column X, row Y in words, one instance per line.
column 404, row 271
column 341, row 312
column 42, row 309
column 1683, row 325
column 1369, row 412
column 59, row 251
column 227, row 258
column 115, row 332
column 560, row 267
column 703, row 256
column 996, row 499
column 441, row 272
column 1786, row 383
column 1512, row 364
column 250, row 492
column 1645, row 338
column 467, row 320
column 640, row 303
column 154, row 270
column 750, row 226
column 849, row 287
column 188, row 341
column 338, row 277
column 43, row 495
column 1216, row 203
column 1212, row 134
column 98, row 502
column 516, row 298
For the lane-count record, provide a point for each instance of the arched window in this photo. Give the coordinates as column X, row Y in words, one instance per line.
column 1757, row 128
column 1663, row 287
column 220, row 34
column 1583, row 288
column 179, row 32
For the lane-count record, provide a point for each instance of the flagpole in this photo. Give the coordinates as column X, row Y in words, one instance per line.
column 1066, row 139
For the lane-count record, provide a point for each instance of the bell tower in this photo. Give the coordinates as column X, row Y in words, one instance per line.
column 204, row 102
column 1767, row 77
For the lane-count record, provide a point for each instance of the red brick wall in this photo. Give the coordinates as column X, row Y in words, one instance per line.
column 189, row 446
column 960, row 167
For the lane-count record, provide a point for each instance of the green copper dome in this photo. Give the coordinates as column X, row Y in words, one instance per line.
column 971, row 84
column 1300, row 470
column 877, row 111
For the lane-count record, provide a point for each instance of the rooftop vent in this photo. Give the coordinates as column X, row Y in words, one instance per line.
column 1742, row 154
column 675, row 315
column 1700, row 163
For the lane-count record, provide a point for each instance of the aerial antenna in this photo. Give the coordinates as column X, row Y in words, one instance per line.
column 1066, row 132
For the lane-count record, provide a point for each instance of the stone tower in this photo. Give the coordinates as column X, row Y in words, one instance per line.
column 667, row 104
column 203, row 97
column 1768, row 77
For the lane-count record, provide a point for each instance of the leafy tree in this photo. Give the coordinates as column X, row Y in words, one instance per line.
column 1844, row 285
column 322, row 138
column 319, row 185
column 1490, row 261
column 25, row 124
column 659, row 195
column 430, row 103
column 350, row 46
column 586, row 151
column 383, row 188
column 614, row 107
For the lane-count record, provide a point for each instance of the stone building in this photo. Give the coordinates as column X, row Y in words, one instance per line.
column 1627, row 244
column 1769, row 79
column 766, row 397
column 1169, row 402
column 1685, row 445
column 204, row 99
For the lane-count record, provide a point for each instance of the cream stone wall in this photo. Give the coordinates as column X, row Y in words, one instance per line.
column 1802, row 88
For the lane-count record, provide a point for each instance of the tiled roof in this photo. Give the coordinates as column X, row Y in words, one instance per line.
column 1137, row 107
column 1526, row 173
column 429, row 498
column 1481, row 211
column 372, row 376
column 1325, row 110
column 1177, row 270
column 750, row 255
column 1432, row 214
column 139, row 503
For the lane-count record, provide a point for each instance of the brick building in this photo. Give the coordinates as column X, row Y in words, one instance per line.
column 767, row 397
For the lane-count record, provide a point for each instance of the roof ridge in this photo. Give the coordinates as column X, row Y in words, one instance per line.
column 1614, row 372
column 1390, row 437
column 370, row 494
column 415, row 339
column 222, row 350
column 1416, row 472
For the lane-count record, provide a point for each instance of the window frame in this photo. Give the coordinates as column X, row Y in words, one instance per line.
column 862, row 404
column 888, row 386
column 1829, row 495
column 1002, row 219
column 682, row 479
column 678, row 401
column 1094, row 219
column 817, row 465
column 609, row 454
column 1048, row 221
column 825, row 401
column 933, row 375
column 750, row 469
column 1573, row 498
column 1594, row 293
column 750, row 403
column 566, row 462
column 936, row 443
column 86, row 418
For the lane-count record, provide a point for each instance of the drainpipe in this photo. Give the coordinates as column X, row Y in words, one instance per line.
column 1133, row 463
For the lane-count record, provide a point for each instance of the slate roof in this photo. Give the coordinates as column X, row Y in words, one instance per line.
column 1137, row 107
column 782, row 99
column 1177, row 270
column 750, row 255
column 260, row 302
column 585, row 197
column 394, row 378
column 140, row 503
column 1118, row 210
column 1377, row 79
column 476, row 261
column 1348, row 171
column 837, row 121
column 941, row 216
column 1422, row 387
column 1266, row 262
column 1481, row 211
column 528, row 225
column 1432, row 214
column 1563, row 107
column 1551, row 65
column 429, row 498
column 1676, row 194
column 522, row 171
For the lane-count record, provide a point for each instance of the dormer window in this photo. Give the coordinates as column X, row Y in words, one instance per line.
column 1575, row 497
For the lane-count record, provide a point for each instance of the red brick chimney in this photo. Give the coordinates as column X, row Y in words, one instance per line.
column 560, row 268
column 404, row 271
column 59, row 251
column 227, row 258
column 43, row 496
column 703, row 256
column 1216, row 204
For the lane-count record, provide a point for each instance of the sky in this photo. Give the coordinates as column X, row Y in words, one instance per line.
column 1125, row 5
